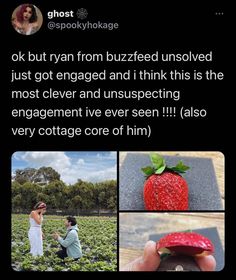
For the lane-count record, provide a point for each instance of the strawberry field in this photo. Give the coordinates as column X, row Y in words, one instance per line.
column 98, row 237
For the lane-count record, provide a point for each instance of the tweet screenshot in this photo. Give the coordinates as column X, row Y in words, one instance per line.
column 115, row 154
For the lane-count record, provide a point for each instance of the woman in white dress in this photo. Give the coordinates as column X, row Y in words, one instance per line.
column 35, row 233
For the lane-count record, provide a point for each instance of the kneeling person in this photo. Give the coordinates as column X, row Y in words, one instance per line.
column 70, row 243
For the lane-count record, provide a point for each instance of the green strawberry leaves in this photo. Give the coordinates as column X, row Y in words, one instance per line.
column 158, row 163
column 187, row 230
column 148, row 170
column 165, row 255
column 157, row 160
column 160, row 170
column 159, row 166
column 179, row 168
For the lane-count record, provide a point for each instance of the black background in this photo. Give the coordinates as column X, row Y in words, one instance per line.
column 144, row 27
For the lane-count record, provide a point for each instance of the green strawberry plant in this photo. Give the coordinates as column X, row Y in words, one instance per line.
column 98, row 237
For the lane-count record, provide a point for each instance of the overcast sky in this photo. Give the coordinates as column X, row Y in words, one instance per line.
column 88, row 166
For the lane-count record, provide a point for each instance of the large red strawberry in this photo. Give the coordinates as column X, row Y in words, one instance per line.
column 165, row 188
column 186, row 243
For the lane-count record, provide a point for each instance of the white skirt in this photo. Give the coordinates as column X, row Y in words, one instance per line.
column 36, row 241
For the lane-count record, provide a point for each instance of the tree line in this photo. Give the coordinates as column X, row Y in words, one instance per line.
column 31, row 185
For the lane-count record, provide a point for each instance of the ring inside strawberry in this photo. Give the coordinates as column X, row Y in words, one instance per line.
column 185, row 243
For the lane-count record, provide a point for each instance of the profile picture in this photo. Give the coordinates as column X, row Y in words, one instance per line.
column 27, row 19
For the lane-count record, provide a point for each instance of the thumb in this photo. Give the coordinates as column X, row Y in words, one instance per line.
column 150, row 260
column 206, row 263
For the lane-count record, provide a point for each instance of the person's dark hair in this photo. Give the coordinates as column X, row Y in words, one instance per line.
column 71, row 220
column 39, row 205
column 20, row 12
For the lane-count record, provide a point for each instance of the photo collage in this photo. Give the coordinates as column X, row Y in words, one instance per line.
column 117, row 211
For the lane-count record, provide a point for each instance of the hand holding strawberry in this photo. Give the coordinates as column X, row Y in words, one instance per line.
column 151, row 259
column 186, row 243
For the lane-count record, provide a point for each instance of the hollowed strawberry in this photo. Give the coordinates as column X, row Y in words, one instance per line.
column 186, row 243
